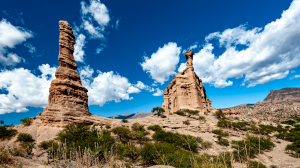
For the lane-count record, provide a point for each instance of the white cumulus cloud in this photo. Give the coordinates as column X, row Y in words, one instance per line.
column 259, row 55
column 10, row 36
column 106, row 86
column 79, row 45
column 162, row 64
column 24, row 88
column 158, row 92
column 95, row 12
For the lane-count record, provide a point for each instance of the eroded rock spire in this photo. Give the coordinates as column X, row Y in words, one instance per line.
column 67, row 96
column 186, row 90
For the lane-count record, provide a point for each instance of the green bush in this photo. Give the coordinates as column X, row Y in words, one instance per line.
column 206, row 144
column 137, row 127
column 107, row 126
column 7, row 133
column 28, row 146
column 220, row 133
column 202, row 118
column 186, row 122
column 191, row 112
column 125, row 121
column 139, row 133
column 219, row 114
column 181, row 113
column 254, row 164
column 48, row 144
column 152, row 152
column 128, row 151
column 251, row 143
column 289, row 122
column 24, row 137
column 223, row 142
column 26, row 121
column 123, row 133
column 154, row 128
column 80, row 136
column 186, row 142
column 224, row 123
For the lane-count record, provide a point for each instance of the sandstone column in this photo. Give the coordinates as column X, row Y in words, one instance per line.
column 186, row 90
column 67, row 96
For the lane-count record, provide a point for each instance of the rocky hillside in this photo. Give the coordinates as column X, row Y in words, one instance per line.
column 132, row 115
column 283, row 95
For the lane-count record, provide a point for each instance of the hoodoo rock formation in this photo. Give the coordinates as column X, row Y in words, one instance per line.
column 186, row 90
column 67, row 97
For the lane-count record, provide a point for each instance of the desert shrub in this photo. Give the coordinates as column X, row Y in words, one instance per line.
column 224, row 123
column 289, row 122
column 40, row 113
column 250, row 147
column 220, row 133
column 295, row 146
column 26, row 121
column 137, row 127
column 219, row 114
column 139, row 133
column 199, row 139
column 181, row 113
column 125, row 121
column 107, row 126
column 24, row 137
column 5, row 156
column 223, row 142
column 191, row 112
column 152, row 152
column 48, row 144
column 239, row 125
column 129, row 151
column 186, row 122
column 206, row 144
column 28, row 146
column 186, row 142
column 202, row 118
column 154, row 128
column 6, row 133
column 123, row 133
column 254, row 164
column 79, row 136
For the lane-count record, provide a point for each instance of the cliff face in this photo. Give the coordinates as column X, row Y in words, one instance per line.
column 186, row 90
column 67, row 96
column 283, row 95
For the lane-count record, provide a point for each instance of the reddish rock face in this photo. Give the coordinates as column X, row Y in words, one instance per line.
column 283, row 95
column 186, row 90
column 67, row 96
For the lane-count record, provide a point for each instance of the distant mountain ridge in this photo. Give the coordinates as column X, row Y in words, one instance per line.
column 283, row 95
column 133, row 115
column 243, row 105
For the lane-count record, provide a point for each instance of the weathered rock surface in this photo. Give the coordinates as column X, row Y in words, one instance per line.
column 283, row 95
column 186, row 90
column 67, row 96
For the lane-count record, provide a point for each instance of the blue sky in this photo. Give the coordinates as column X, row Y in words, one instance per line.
column 127, row 52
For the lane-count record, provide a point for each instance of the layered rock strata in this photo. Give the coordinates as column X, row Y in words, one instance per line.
column 186, row 90
column 283, row 95
column 67, row 97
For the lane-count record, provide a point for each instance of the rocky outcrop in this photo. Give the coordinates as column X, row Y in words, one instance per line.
column 67, row 97
column 186, row 90
column 283, row 95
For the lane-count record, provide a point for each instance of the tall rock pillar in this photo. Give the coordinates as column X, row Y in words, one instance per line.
column 67, row 97
column 186, row 90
